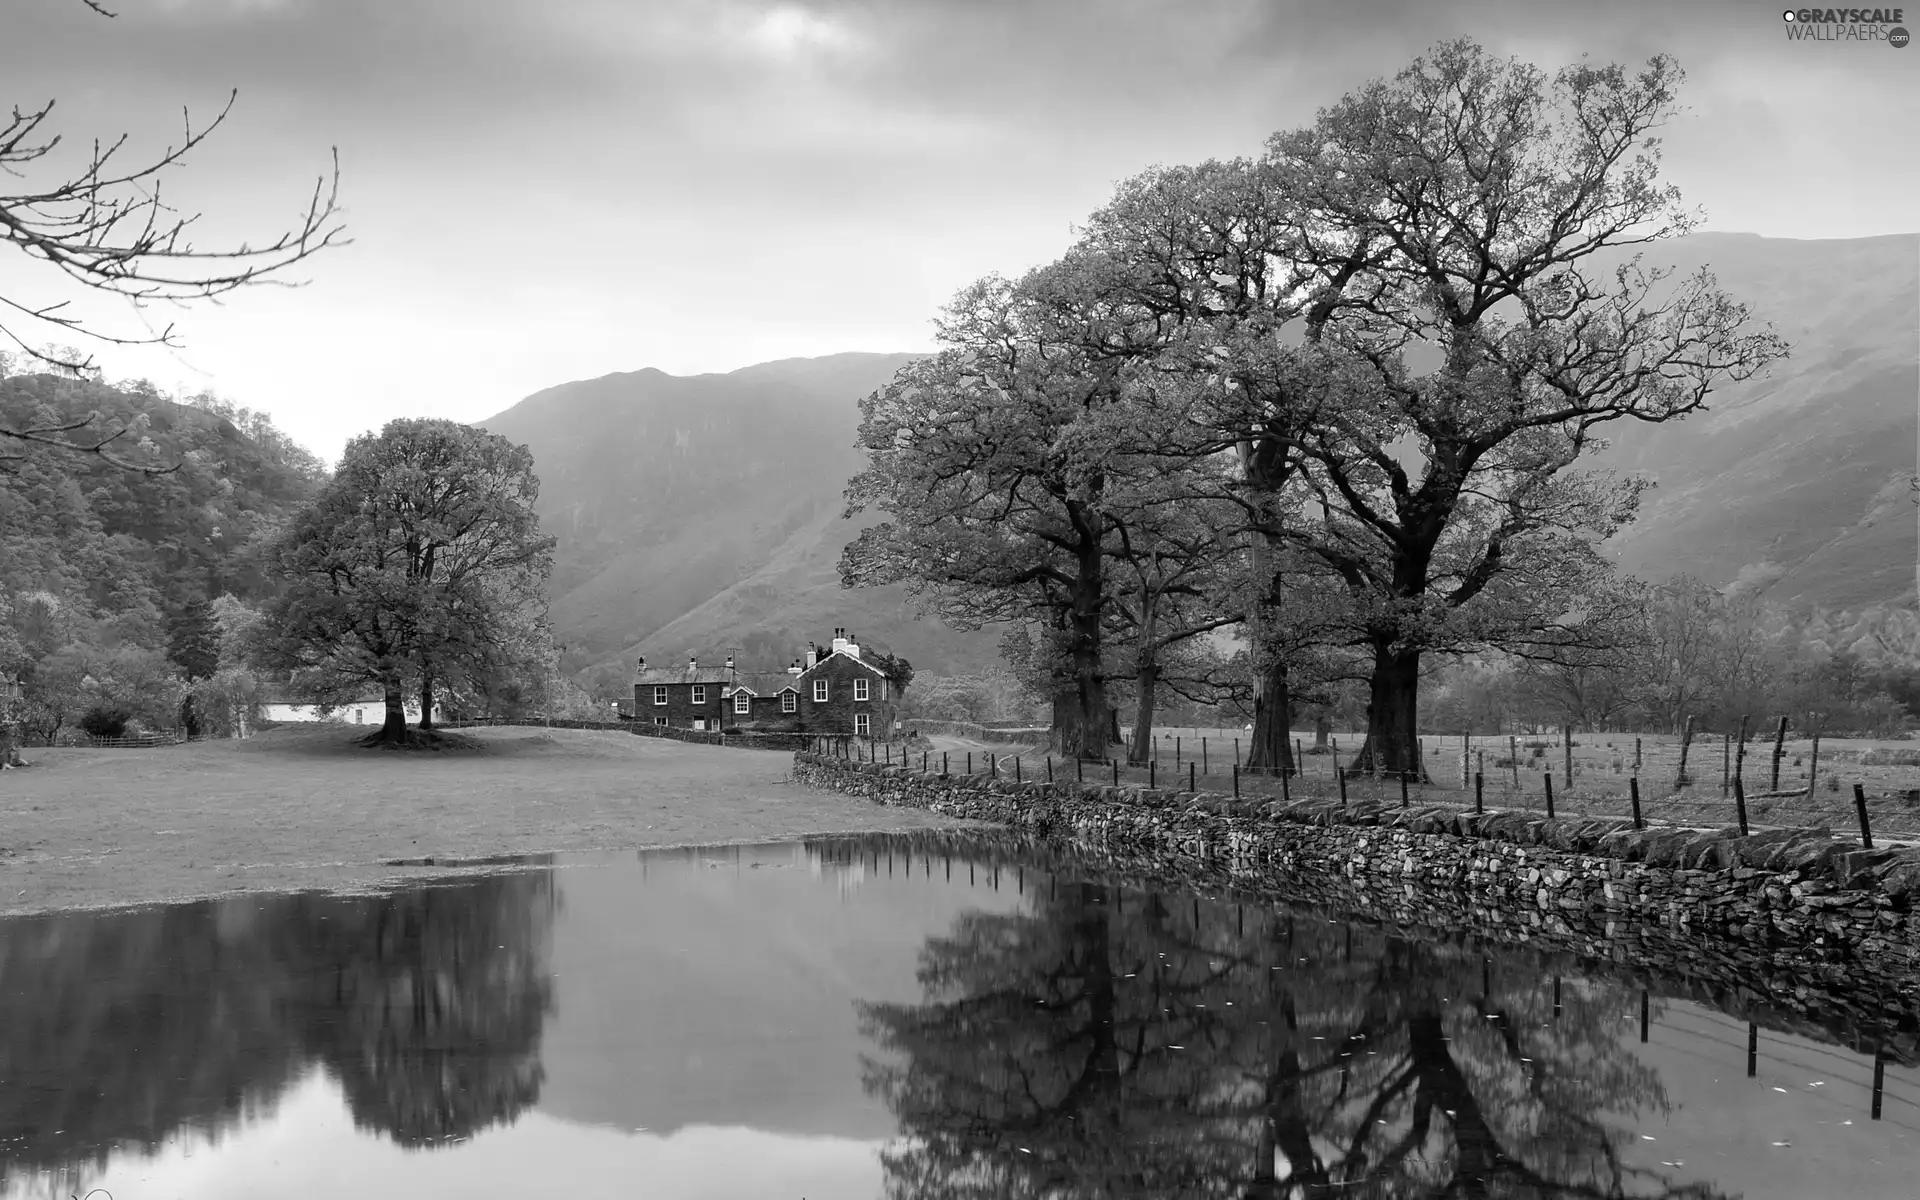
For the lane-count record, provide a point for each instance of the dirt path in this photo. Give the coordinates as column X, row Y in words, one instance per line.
column 304, row 808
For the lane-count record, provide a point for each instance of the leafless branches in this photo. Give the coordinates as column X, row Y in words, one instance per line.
column 108, row 227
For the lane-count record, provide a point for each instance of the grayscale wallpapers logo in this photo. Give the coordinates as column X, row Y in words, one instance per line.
column 1847, row 25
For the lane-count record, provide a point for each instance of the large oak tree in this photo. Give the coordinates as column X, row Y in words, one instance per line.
column 421, row 561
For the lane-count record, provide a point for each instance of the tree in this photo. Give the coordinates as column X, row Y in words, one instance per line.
column 1454, row 215
column 420, row 562
column 997, row 497
column 106, row 226
column 193, row 641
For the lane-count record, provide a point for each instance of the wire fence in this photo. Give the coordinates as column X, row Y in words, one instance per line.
column 1523, row 783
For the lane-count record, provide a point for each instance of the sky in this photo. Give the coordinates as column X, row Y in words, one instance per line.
column 546, row 190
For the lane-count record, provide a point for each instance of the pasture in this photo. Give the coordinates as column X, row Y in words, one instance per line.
column 298, row 808
column 1603, row 766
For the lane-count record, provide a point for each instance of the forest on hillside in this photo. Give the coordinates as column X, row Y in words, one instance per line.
column 122, row 590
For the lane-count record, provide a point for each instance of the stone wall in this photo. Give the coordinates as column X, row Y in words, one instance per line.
column 1820, row 920
column 750, row 741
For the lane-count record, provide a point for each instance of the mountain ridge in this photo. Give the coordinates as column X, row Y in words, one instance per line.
column 700, row 514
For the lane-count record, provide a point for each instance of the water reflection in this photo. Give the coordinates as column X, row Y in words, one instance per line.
column 426, row 1006
column 923, row 1019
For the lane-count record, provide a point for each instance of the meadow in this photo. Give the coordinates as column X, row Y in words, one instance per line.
column 298, row 808
column 1604, row 764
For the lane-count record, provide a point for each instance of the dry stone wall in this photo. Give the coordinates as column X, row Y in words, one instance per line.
column 1820, row 920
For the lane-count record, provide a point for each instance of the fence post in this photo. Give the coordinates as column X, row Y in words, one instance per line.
column 1286, row 794
column 1049, row 768
column 1726, row 762
column 1513, row 758
column 1403, row 788
column 1190, row 786
column 1079, row 769
column 1236, row 781
column 1466, row 757
column 1236, row 752
column 923, row 762
column 1546, row 777
column 1740, row 749
column 1636, row 756
column 1860, row 806
column 1203, row 756
column 1116, row 771
column 1633, row 791
column 993, row 766
column 1176, row 753
column 1016, row 768
column 1680, row 780
column 1740, row 804
column 1813, row 765
column 969, row 763
column 1341, row 773
column 1479, row 792
column 1879, row 1078
column 1153, row 773
column 1566, row 748
column 1779, row 748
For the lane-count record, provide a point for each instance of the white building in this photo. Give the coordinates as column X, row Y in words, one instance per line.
column 363, row 711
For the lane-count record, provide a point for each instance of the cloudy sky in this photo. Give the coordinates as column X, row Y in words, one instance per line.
column 546, row 190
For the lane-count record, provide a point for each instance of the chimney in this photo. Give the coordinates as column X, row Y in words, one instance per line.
column 641, row 666
column 692, row 664
column 729, row 662
column 852, row 647
column 795, row 668
column 839, row 639
column 813, row 657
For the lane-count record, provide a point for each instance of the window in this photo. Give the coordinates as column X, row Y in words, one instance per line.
column 660, row 697
column 883, row 689
column 819, row 691
column 859, row 689
column 699, row 693
column 861, row 725
column 742, row 703
column 789, row 702
column 660, row 720
column 700, row 724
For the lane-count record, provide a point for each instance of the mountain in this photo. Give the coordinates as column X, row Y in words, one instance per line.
column 701, row 515
column 1794, row 484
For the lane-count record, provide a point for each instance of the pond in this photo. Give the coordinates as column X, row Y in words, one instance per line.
column 865, row 1017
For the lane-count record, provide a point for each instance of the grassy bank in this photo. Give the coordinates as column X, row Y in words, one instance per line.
column 299, row 808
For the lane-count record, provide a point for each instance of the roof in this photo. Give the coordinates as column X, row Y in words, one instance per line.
column 658, row 675
column 769, row 683
column 852, row 658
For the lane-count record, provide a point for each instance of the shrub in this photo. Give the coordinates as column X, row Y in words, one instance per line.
column 106, row 722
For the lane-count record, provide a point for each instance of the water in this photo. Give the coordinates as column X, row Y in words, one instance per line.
column 852, row 1018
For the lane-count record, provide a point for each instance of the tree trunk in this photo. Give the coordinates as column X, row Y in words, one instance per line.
column 1083, row 728
column 1272, row 746
column 1322, row 729
column 393, row 731
column 1146, row 680
column 426, row 702
column 1393, row 741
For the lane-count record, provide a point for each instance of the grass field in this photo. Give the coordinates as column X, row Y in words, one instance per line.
column 1603, row 765
column 296, row 808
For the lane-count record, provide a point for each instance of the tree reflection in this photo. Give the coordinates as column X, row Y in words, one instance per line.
column 1112, row 1044
column 129, row 1027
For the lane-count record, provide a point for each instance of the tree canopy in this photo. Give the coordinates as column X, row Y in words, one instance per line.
column 420, row 562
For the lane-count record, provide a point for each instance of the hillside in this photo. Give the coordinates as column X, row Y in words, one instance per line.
column 1794, row 484
column 700, row 515
column 134, row 550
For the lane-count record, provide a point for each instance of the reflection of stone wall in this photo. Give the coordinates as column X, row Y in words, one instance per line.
column 1817, row 916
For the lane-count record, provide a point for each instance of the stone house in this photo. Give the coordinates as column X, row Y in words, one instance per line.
column 833, row 691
